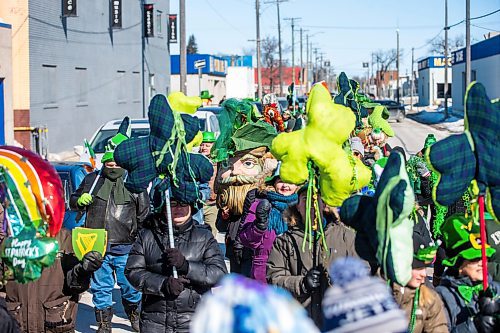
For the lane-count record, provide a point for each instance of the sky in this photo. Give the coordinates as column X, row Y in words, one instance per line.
column 347, row 32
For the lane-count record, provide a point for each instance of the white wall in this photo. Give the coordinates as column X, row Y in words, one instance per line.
column 215, row 84
column 487, row 72
column 428, row 80
column 240, row 82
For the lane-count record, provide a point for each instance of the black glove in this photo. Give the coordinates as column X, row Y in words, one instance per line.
column 91, row 261
column 487, row 306
column 262, row 214
column 311, row 280
column 172, row 286
column 485, row 324
column 238, row 254
column 175, row 258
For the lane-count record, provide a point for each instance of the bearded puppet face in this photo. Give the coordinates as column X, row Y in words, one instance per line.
column 240, row 174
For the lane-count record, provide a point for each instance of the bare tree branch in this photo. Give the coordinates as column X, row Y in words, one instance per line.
column 437, row 45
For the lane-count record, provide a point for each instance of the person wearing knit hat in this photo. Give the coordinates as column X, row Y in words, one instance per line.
column 358, row 302
column 357, row 148
column 422, row 305
column 241, row 305
column 470, row 309
column 110, row 205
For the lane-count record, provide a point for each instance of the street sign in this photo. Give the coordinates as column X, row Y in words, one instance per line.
column 200, row 64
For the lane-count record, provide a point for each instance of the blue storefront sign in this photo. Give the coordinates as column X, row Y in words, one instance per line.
column 214, row 65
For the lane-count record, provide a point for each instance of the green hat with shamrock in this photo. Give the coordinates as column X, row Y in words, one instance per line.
column 123, row 134
column 462, row 240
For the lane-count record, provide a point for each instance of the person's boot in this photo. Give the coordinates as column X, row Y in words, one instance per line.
column 103, row 318
column 131, row 309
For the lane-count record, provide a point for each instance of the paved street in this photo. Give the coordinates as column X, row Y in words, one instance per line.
column 411, row 135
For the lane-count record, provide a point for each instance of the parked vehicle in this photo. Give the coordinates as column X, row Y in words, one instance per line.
column 396, row 111
column 71, row 174
column 140, row 128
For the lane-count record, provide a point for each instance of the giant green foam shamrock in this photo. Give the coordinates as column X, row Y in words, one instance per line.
column 474, row 154
column 384, row 229
column 328, row 127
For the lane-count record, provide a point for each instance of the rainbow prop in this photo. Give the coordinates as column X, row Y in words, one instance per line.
column 34, row 210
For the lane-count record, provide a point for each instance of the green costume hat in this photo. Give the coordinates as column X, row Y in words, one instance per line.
column 241, row 130
column 462, row 239
column 124, row 132
column 208, row 137
column 205, row 94
column 424, row 248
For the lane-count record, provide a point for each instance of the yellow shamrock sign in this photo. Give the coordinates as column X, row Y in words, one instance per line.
column 328, row 127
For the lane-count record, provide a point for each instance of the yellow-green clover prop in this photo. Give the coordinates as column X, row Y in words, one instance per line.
column 328, row 127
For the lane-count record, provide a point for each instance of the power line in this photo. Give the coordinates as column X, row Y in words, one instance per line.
column 224, row 19
column 370, row 27
column 478, row 17
column 83, row 31
column 478, row 26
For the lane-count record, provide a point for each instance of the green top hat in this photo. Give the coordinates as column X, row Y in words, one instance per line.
column 208, row 137
column 429, row 140
column 462, row 239
column 205, row 94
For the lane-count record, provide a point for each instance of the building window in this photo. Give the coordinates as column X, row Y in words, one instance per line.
column 120, row 86
column 82, row 86
column 440, row 90
column 136, row 87
column 158, row 25
column 49, row 86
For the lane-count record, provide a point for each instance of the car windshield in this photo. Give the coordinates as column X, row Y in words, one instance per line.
column 103, row 136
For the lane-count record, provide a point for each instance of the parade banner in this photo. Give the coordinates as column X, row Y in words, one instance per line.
column 172, row 28
column 148, row 20
column 69, row 8
column 85, row 240
column 116, row 14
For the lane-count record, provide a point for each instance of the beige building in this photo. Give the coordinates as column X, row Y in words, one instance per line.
column 15, row 12
column 6, row 81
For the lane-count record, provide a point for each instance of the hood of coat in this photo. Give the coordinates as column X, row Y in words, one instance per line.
column 161, row 225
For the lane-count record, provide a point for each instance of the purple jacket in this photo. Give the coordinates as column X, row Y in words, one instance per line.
column 260, row 241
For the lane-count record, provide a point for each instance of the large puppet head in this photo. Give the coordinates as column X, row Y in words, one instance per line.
column 34, row 211
column 241, row 151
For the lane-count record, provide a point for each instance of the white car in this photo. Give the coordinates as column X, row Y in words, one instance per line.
column 140, row 128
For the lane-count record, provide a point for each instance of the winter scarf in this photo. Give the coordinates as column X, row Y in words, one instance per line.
column 278, row 205
column 113, row 182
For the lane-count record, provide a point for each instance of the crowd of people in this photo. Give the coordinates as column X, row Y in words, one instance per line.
column 338, row 259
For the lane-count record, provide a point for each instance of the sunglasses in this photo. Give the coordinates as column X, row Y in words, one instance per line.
column 178, row 204
column 357, row 154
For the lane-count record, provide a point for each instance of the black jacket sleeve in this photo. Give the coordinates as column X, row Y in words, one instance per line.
column 211, row 268
column 139, row 277
column 142, row 209
column 85, row 186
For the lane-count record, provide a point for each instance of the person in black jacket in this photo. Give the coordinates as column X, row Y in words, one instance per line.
column 109, row 205
column 168, row 303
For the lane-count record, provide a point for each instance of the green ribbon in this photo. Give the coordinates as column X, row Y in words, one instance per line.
column 467, row 292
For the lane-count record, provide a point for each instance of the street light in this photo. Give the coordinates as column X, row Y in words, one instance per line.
column 397, row 66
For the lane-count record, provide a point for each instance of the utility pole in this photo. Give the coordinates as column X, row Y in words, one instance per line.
column 182, row 46
column 259, row 72
column 293, row 19
column 397, row 66
column 315, row 72
column 446, row 59
column 307, row 63
column 280, row 67
column 467, row 44
column 301, row 64
column 412, row 79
